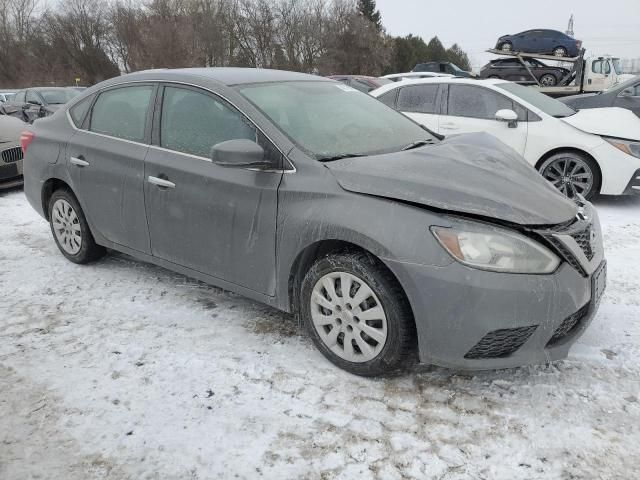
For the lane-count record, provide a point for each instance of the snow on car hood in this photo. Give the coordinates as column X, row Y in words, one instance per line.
column 473, row 173
column 610, row 122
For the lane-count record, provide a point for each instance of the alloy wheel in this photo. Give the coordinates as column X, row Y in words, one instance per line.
column 570, row 175
column 348, row 317
column 560, row 52
column 66, row 226
column 506, row 47
column 548, row 80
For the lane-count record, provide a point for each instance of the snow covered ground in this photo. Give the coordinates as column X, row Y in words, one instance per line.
column 124, row 370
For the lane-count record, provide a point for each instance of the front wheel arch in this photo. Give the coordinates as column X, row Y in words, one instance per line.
column 576, row 151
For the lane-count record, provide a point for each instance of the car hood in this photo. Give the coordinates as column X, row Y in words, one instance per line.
column 473, row 174
column 610, row 122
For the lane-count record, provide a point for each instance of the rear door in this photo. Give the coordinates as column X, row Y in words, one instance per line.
column 217, row 220
column 420, row 102
column 105, row 159
column 472, row 108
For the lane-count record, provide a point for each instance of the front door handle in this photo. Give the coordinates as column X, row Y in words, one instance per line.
column 161, row 182
column 78, row 161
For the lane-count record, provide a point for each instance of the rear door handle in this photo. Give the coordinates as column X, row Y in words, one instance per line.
column 161, row 182
column 80, row 162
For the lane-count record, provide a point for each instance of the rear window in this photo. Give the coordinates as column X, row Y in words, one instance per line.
column 122, row 112
column 418, row 98
column 79, row 111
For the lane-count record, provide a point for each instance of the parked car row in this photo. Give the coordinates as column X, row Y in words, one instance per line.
column 384, row 236
column 33, row 103
column 581, row 152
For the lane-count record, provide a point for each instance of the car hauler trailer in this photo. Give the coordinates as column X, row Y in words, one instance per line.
column 590, row 75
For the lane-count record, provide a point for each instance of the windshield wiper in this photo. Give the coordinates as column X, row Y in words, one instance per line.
column 419, row 143
column 340, row 156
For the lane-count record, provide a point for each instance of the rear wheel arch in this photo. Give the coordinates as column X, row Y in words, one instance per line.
column 48, row 188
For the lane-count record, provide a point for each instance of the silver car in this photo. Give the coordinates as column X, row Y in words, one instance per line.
column 10, row 152
column 307, row 195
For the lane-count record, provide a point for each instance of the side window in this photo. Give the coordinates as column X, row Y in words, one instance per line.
column 607, row 67
column 122, row 112
column 418, row 98
column 596, row 66
column 193, row 122
column 79, row 111
column 20, row 97
column 33, row 98
column 637, row 90
column 389, row 98
column 476, row 102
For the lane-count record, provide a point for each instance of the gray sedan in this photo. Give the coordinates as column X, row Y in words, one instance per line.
column 625, row 95
column 305, row 194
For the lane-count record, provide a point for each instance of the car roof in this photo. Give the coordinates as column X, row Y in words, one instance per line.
column 489, row 82
column 227, row 75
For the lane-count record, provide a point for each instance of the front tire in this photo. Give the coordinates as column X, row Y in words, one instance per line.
column 357, row 314
column 506, row 47
column 572, row 173
column 70, row 229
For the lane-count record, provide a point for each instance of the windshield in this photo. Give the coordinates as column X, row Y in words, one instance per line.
column 621, row 86
column 548, row 105
column 617, row 66
column 58, row 97
column 329, row 119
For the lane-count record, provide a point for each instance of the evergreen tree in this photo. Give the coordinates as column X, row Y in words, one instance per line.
column 367, row 8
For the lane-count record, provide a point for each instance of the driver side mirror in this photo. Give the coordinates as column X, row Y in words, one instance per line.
column 238, row 153
column 627, row 92
column 508, row 116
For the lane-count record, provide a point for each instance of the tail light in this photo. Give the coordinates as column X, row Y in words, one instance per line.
column 579, row 44
column 25, row 139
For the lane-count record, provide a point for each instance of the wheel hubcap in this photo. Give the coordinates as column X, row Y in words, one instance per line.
column 548, row 80
column 559, row 52
column 66, row 226
column 569, row 175
column 348, row 316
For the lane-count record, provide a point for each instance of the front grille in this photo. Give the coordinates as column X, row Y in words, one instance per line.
column 583, row 239
column 580, row 231
column 568, row 325
column 11, row 155
column 501, row 343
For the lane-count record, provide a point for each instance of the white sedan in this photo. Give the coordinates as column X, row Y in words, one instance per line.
column 585, row 152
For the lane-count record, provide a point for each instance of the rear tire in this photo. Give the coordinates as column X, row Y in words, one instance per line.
column 379, row 343
column 70, row 229
column 560, row 52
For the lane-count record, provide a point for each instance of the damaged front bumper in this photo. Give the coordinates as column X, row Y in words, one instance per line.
column 473, row 319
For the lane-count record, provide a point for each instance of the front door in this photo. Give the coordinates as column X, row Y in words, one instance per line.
column 106, row 164
column 472, row 108
column 217, row 220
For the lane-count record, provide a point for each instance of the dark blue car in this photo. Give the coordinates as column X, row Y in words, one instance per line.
column 546, row 42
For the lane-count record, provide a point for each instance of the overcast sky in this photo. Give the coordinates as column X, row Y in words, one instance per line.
column 605, row 27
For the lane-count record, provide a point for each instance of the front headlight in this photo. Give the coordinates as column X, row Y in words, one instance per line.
column 496, row 249
column 629, row 147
